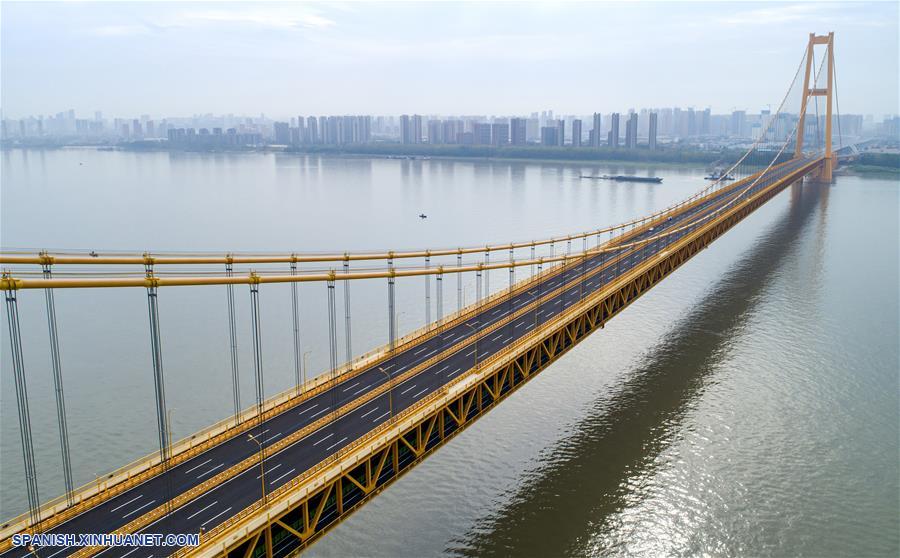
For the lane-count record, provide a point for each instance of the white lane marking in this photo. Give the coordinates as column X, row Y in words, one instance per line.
column 470, row 353
column 360, row 390
column 420, row 350
column 442, row 369
column 211, row 518
column 308, row 409
column 123, row 556
column 507, row 340
column 67, row 548
column 203, row 510
column 211, row 470
column 454, row 372
column 270, row 470
column 495, row 311
column 407, row 389
column 541, row 312
column 429, row 354
column 420, row 393
column 323, row 439
column 319, row 413
column 520, row 324
column 350, row 386
column 132, row 500
column 139, row 509
column 557, row 302
column 381, row 417
column 336, row 443
column 282, row 476
column 375, row 408
column 272, row 437
column 198, row 466
column 498, row 337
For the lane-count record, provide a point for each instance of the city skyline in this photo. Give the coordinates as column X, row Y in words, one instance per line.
column 429, row 59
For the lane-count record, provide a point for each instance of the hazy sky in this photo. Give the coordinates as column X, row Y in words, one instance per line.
column 281, row 59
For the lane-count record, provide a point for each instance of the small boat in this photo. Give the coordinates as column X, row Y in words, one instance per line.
column 719, row 175
column 627, row 178
column 423, row 216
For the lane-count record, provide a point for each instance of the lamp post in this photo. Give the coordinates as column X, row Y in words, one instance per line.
column 306, row 354
column 390, row 392
column 262, row 466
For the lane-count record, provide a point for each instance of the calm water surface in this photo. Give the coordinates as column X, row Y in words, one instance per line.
column 746, row 406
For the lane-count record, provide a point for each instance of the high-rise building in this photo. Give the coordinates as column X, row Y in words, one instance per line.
column 533, row 129
column 651, row 132
column 518, row 131
column 576, row 133
column 596, row 137
column 312, row 130
column 416, row 128
column 405, row 130
column 631, row 128
column 282, row 133
column 560, row 131
column 323, row 125
column 450, row 130
column 499, row 133
column 613, row 138
column 739, row 124
column 481, row 133
column 549, row 135
column 434, row 132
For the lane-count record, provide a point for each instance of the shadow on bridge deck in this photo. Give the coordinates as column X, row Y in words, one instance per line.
column 560, row 504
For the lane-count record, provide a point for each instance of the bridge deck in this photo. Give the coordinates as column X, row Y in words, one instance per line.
column 305, row 434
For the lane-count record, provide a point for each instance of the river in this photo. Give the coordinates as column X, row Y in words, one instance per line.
column 748, row 405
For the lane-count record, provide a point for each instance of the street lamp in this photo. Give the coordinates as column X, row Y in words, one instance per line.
column 306, row 354
column 262, row 466
column 390, row 390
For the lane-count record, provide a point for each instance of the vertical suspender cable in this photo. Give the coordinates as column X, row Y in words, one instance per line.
column 58, row 388
column 295, row 308
column 392, row 315
column 487, row 276
column 257, row 346
column 15, row 342
column 439, row 286
column 332, row 344
column 232, row 333
column 532, row 258
column 478, row 285
column 347, row 330
column 459, row 283
column 159, row 386
column 427, row 292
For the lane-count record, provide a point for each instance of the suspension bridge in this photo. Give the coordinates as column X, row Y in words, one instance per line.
column 272, row 478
